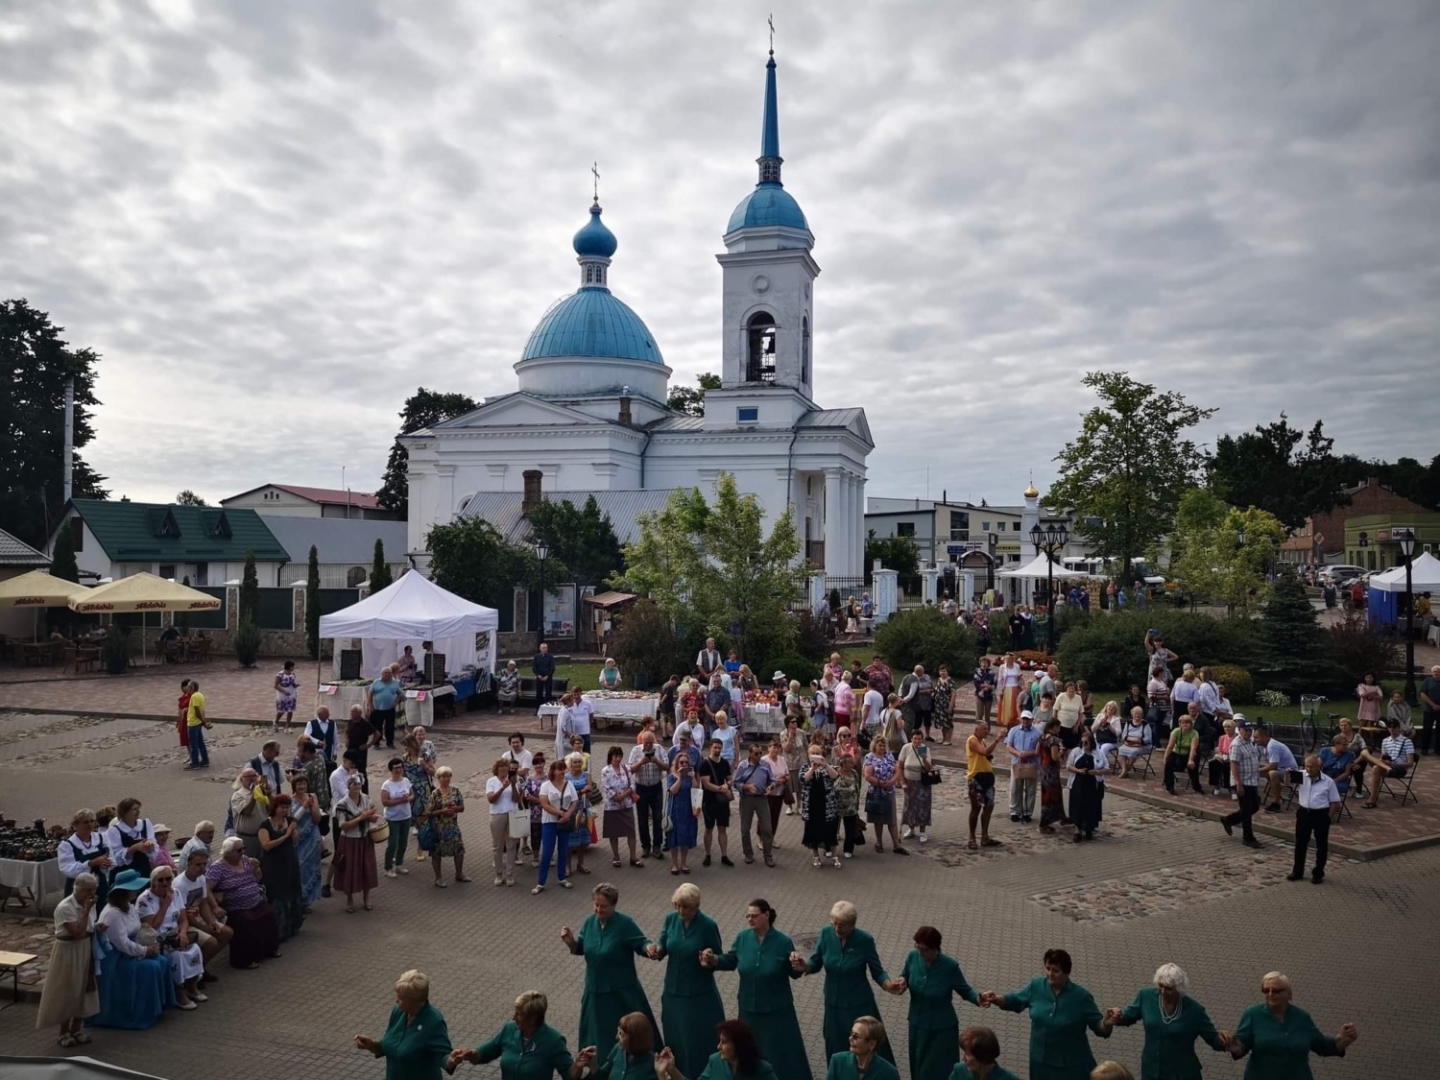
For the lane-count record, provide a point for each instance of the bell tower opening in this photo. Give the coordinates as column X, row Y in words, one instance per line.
column 761, row 331
column 805, row 350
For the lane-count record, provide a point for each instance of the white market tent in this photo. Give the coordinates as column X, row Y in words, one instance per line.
column 411, row 611
column 1424, row 574
column 1041, row 567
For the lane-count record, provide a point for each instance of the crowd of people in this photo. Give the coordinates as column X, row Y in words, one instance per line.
column 697, row 1038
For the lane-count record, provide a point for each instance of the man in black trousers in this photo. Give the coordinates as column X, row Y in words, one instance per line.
column 542, row 665
column 1313, row 799
column 1245, row 771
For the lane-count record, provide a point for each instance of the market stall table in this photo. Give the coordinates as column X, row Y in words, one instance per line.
column 19, row 877
column 610, row 706
column 418, row 708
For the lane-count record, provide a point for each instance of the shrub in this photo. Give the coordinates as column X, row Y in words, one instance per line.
column 247, row 643
column 1273, row 699
column 1110, row 651
column 1354, row 646
column 1239, row 684
column 795, row 667
column 927, row 636
column 116, row 649
column 646, row 644
column 812, row 639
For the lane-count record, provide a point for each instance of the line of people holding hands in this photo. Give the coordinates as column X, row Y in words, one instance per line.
column 620, row 1039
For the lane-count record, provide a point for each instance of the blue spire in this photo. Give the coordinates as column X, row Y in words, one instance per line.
column 770, row 158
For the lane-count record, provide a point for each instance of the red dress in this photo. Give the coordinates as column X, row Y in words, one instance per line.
column 182, row 721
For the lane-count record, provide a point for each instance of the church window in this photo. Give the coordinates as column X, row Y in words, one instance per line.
column 747, row 414
column 805, row 350
column 761, row 330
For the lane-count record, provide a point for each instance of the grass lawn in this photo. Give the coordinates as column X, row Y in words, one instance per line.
column 1290, row 714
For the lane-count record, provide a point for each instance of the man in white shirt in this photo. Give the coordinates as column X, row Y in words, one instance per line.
column 206, row 917
column 580, row 713
column 201, row 841
column 519, row 755
column 1397, row 757
column 1278, row 762
column 871, row 710
column 1313, row 799
column 707, row 661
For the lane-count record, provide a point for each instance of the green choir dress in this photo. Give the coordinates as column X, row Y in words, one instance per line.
column 690, row 1005
column 961, row 1072
column 1059, row 1049
column 416, row 1050
column 543, row 1056
column 612, row 989
column 842, row 1067
column 847, row 992
column 617, row 1067
column 765, row 1000
column 1281, row 1049
column 934, row 1027
column 717, row 1069
column 1169, row 1052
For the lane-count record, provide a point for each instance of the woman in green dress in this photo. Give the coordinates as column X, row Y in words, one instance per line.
column 631, row 1058
column 1280, row 1037
column 416, row 1045
column 931, row 978
column 980, row 1058
column 690, row 1006
column 866, row 1037
column 762, row 956
column 527, row 1047
column 1173, row 1021
column 609, row 942
column 736, row 1058
column 1060, row 1011
column 846, row 955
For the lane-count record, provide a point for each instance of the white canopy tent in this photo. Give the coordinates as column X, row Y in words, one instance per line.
column 1424, row 574
column 411, row 611
column 1040, row 567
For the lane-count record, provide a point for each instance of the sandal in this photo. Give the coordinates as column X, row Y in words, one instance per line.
column 616, row 863
column 82, row 1038
column 537, row 890
column 973, row 846
column 635, row 862
column 442, row 884
column 567, row 884
column 463, row 880
column 584, row 869
column 350, row 910
column 1368, row 806
column 987, row 842
column 66, row 1040
column 675, row 870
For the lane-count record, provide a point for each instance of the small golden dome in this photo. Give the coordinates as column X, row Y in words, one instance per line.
column 1030, row 491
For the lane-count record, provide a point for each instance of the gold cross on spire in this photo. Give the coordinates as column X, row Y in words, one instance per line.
column 771, row 21
column 595, row 172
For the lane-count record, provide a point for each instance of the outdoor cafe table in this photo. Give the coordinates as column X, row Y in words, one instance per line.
column 37, row 879
column 607, row 709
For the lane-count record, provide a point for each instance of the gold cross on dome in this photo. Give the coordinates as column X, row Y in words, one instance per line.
column 771, row 21
column 595, row 172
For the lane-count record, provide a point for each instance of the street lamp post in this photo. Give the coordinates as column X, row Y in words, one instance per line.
column 1407, row 548
column 1050, row 540
column 541, row 553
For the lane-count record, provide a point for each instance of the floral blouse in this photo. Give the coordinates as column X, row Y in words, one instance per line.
column 847, row 794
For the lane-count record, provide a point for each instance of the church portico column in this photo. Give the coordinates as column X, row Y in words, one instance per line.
column 834, row 521
column 445, row 503
column 857, row 556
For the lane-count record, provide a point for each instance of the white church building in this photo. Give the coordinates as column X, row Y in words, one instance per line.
column 589, row 416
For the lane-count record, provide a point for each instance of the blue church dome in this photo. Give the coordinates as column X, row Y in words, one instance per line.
column 592, row 323
column 595, row 239
column 767, row 205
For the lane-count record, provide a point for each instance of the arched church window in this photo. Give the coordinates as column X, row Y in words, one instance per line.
column 805, row 350
column 355, row 575
column 761, row 330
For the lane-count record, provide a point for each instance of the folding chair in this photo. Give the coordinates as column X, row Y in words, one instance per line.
column 1144, row 763
column 1402, row 789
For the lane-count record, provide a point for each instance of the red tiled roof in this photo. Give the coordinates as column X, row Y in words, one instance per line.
column 332, row 495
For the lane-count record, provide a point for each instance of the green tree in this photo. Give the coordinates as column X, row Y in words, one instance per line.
column 1192, row 543
column 189, row 498
column 62, row 559
column 472, row 560
column 1125, row 472
column 1405, row 476
column 1293, row 648
column 380, row 576
column 249, row 591
column 312, row 605
column 583, row 540
column 712, row 564
column 690, row 400
column 423, row 409
column 1280, row 469
column 897, row 553
column 927, row 636
column 37, row 363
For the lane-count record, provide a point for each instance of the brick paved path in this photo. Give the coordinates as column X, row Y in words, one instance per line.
column 1158, row 886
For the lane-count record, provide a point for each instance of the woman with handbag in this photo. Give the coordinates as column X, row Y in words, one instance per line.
column 577, row 765
column 442, row 819
column 617, row 786
column 917, row 773
column 880, row 774
column 559, row 805
column 685, row 805
column 500, row 794
column 355, row 860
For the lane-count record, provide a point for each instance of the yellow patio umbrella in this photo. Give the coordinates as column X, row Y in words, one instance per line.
column 143, row 593
column 38, row 589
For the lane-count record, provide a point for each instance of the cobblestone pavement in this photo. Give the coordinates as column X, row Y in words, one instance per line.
column 1156, row 887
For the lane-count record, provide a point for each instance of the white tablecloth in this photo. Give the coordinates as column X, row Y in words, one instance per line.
column 419, row 711
column 1434, row 635
column 41, row 878
column 763, row 719
column 606, row 708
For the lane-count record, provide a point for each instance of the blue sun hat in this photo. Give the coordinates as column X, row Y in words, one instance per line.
column 129, row 881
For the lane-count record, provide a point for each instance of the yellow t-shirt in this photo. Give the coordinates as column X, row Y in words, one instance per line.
column 197, row 705
column 976, row 762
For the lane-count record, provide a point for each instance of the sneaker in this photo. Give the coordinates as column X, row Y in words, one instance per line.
column 498, row 881
column 849, row 854
column 402, row 869
column 1234, row 796
column 905, row 832
column 924, row 838
column 390, row 873
column 789, row 812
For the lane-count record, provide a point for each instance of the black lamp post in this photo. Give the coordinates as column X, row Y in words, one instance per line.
column 1407, row 548
column 541, row 553
column 1050, row 540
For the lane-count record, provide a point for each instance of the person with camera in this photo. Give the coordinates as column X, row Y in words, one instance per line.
column 504, row 795
column 162, row 910
column 647, row 768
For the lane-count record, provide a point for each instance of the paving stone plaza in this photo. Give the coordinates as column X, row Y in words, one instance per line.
column 1158, row 886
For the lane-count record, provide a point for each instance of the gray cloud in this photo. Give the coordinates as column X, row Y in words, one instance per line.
column 276, row 220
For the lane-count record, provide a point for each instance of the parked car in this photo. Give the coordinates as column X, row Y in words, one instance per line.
column 1340, row 572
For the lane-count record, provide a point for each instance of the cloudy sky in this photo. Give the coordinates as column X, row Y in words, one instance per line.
column 275, row 220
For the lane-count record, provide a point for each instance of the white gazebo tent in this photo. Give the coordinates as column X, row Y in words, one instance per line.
column 1042, row 568
column 1424, row 574
column 411, row 611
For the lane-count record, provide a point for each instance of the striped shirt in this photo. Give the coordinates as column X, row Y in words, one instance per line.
column 1245, row 757
column 1396, row 748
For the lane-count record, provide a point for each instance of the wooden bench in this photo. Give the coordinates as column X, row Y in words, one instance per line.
column 12, row 962
column 530, row 695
